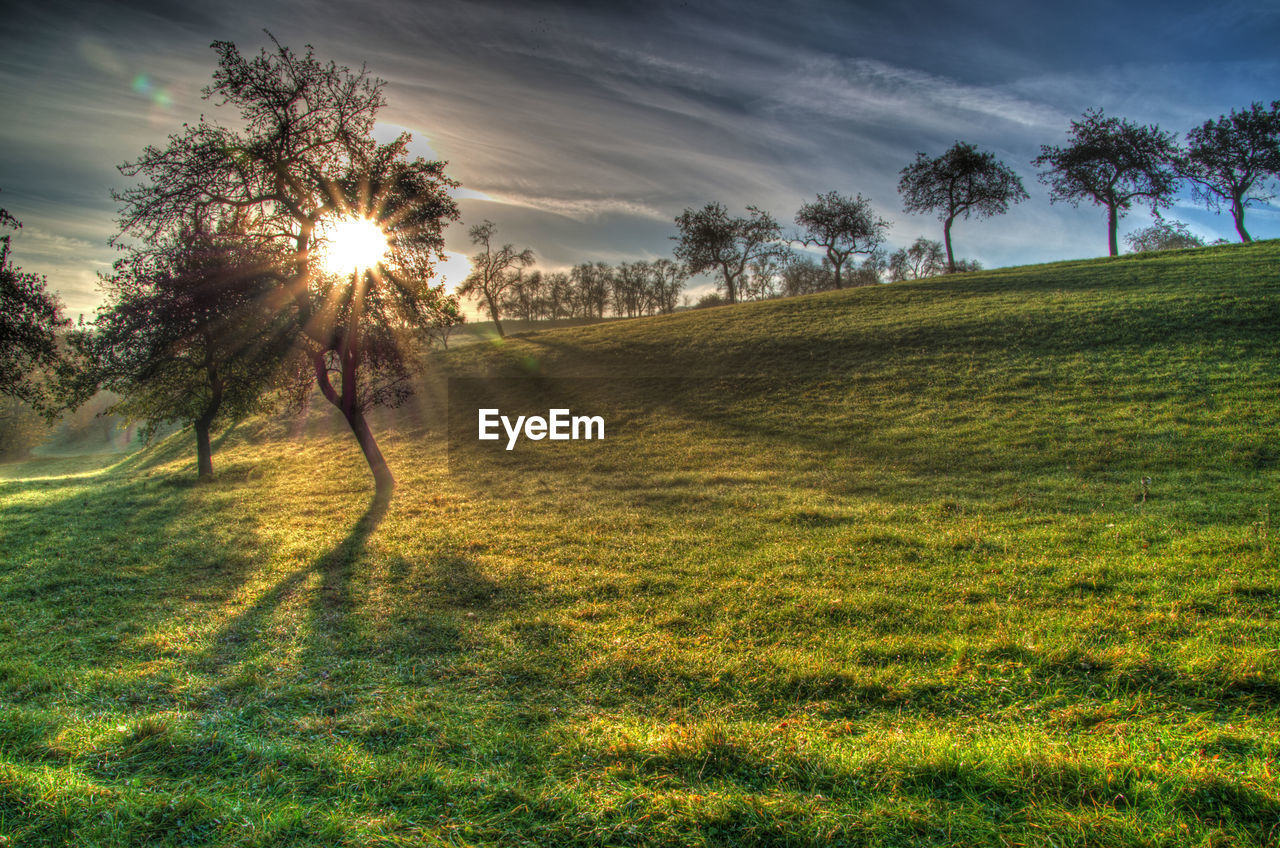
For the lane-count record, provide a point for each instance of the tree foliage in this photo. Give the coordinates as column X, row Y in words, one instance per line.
column 843, row 227
column 1163, row 235
column 188, row 333
column 303, row 155
column 1111, row 162
column 30, row 321
column 712, row 241
column 961, row 182
column 1232, row 159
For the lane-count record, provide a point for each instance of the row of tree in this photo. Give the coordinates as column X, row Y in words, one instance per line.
column 502, row 281
column 1111, row 162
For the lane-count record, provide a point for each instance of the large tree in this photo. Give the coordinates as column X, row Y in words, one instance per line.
column 711, row 240
column 961, row 182
column 843, row 227
column 188, row 334
column 302, row 156
column 1230, row 160
column 30, row 321
column 1111, row 162
column 494, row 270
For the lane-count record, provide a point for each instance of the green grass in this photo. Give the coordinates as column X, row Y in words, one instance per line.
column 881, row 573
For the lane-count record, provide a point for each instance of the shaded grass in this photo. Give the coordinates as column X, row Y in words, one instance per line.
column 882, row 573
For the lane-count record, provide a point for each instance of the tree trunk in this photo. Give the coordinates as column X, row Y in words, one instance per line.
column 836, row 266
column 1113, row 223
column 1237, row 214
column 204, row 453
column 946, row 237
column 383, row 480
column 729, row 287
column 493, row 313
column 347, row 404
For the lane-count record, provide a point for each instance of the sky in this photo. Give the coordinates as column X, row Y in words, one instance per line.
column 583, row 129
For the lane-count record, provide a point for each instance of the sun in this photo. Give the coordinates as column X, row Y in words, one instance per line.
column 353, row 244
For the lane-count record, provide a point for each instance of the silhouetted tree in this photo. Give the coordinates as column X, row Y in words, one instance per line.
column 1163, row 235
column 493, row 270
column 1111, row 162
column 30, row 320
column 711, row 240
column 1231, row 159
column 558, row 298
column 593, row 285
column 667, row 280
column 961, row 182
column 924, row 258
column 187, row 334
column 304, row 155
column 523, row 298
column 843, row 227
column 630, row 288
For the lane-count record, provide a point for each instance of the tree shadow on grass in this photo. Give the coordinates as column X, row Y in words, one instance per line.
column 334, row 601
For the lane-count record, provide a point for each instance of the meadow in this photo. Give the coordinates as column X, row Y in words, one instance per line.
column 985, row 559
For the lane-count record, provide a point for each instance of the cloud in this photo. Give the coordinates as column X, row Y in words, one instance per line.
column 583, row 208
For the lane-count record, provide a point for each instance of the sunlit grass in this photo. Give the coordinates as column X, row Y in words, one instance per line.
column 885, row 573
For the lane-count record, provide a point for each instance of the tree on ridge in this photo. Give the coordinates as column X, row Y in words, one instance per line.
column 493, row 270
column 961, row 182
column 843, row 227
column 1230, row 160
column 711, row 240
column 1111, row 162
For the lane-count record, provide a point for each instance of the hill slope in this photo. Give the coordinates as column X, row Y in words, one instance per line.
column 870, row 567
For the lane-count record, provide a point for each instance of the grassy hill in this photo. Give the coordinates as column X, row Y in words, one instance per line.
column 873, row 567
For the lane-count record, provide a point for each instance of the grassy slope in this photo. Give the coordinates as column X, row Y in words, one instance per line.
column 882, row 573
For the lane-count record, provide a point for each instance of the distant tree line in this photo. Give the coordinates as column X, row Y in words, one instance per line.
column 1111, row 162
column 504, row 283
